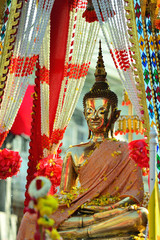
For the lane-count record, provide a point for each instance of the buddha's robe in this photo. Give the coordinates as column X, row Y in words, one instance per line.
column 109, row 170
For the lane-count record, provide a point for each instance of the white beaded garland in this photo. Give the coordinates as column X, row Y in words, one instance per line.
column 31, row 30
column 83, row 35
column 120, row 41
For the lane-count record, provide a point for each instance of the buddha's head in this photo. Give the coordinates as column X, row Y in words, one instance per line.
column 100, row 103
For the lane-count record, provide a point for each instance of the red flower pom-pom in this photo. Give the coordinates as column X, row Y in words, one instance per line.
column 10, row 162
column 139, row 153
column 51, row 167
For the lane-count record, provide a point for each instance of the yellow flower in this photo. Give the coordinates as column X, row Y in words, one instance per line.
column 40, row 203
column 118, row 152
column 38, row 166
column 47, row 205
column 45, row 222
column 55, row 235
column 46, row 211
column 51, row 160
column 52, row 202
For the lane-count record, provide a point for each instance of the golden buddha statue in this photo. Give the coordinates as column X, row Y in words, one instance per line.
column 101, row 187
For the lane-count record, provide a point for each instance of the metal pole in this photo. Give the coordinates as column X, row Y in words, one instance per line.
column 130, row 113
column 153, row 145
column 8, row 206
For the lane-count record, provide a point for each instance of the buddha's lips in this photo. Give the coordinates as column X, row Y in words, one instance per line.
column 96, row 123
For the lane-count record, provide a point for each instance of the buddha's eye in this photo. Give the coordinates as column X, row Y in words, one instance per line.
column 101, row 110
column 89, row 110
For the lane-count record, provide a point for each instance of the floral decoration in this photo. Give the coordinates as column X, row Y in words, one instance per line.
column 57, row 135
column 51, row 168
column 53, row 234
column 90, row 13
column 67, row 197
column 126, row 101
column 36, row 190
column 23, row 66
column 157, row 16
column 157, row 23
column 139, row 153
column 91, row 16
column 10, row 162
column 43, row 205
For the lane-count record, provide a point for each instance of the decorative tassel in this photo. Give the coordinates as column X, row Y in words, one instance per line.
column 90, row 14
column 128, row 124
column 126, row 101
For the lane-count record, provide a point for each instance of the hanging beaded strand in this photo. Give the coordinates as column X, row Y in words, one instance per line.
column 124, row 78
column 16, row 92
column 75, row 79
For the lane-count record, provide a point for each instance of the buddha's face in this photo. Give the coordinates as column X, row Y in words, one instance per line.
column 98, row 114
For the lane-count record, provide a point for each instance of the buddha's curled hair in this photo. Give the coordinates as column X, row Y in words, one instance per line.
column 101, row 89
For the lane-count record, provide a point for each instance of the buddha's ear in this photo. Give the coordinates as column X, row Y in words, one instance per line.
column 89, row 133
column 116, row 115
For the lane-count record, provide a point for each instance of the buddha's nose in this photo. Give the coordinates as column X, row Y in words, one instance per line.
column 95, row 115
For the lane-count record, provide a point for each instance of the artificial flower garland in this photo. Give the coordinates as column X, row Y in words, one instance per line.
column 157, row 16
column 139, row 153
column 10, row 162
column 43, row 206
column 51, row 167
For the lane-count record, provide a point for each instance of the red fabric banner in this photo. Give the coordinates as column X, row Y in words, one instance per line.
column 58, row 42
column 59, row 35
column 22, row 123
column 35, row 150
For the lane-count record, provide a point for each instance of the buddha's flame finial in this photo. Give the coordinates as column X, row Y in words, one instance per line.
column 100, row 73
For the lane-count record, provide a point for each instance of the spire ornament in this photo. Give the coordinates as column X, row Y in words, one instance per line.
column 100, row 73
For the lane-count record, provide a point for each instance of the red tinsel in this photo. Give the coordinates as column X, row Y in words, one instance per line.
column 51, row 168
column 139, row 153
column 10, row 162
column 57, row 135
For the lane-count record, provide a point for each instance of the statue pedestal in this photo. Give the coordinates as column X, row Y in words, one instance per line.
column 114, row 238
